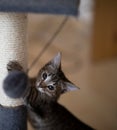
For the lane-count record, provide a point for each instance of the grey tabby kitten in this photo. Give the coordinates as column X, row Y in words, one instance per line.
column 45, row 113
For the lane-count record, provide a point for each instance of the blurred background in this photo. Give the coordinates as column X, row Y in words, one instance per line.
column 89, row 58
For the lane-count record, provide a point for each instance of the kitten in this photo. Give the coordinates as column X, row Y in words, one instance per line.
column 44, row 111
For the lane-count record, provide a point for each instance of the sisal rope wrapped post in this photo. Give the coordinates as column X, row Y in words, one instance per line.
column 12, row 47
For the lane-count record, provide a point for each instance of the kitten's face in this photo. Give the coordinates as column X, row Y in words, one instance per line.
column 51, row 81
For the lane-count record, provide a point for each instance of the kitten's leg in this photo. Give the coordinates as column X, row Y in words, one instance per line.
column 14, row 65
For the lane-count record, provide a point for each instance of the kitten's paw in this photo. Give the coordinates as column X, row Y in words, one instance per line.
column 14, row 65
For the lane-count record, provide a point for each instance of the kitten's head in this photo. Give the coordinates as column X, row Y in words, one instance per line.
column 51, row 81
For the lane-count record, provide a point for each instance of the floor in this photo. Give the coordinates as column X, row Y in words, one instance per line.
column 96, row 102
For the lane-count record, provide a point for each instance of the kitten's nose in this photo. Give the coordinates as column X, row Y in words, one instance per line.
column 42, row 85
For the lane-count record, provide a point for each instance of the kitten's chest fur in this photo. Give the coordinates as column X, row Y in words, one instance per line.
column 55, row 117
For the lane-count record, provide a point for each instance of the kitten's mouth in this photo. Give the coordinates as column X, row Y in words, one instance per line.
column 37, row 85
column 41, row 90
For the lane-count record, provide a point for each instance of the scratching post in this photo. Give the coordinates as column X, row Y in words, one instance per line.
column 12, row 47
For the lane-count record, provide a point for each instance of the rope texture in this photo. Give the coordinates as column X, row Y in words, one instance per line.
column 12, row 47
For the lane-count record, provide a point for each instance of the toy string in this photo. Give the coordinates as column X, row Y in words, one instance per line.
column 48, row 43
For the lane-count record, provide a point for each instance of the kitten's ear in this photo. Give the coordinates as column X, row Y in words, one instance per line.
column 56, row 61
column 70, row 87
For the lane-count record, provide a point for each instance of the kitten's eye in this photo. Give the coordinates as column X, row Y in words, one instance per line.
column 44, row 76
column 51, row 87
